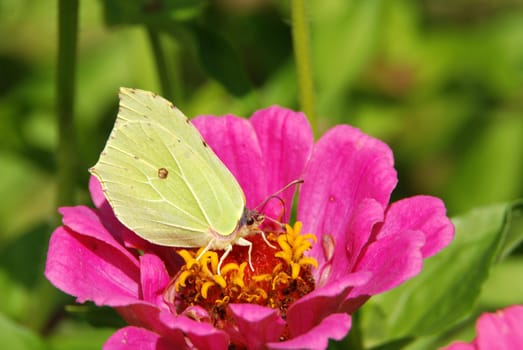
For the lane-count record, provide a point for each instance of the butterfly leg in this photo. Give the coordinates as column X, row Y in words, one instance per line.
column 242, row 242
column 226, row 252
column 205, row 250
column 228, row 249
column 266, row 240
column 246, row 243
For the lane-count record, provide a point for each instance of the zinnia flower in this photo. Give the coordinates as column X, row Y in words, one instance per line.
column 346, row 244
column 502, row 330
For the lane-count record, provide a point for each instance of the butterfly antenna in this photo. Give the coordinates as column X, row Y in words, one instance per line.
column 275, row 194
column 266, row 201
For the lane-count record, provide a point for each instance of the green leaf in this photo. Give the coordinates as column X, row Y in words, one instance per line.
column 155, row 13
column 502, row 288
column 78, row 336
column 393, row 345
column 97, row 316
column 220, row 61
column 447, row 288
column 32, row 246
column 515, row 230
column 18, row 278
column 344, row 36
column 17, row 337
column 491, row 169
column 27, row 296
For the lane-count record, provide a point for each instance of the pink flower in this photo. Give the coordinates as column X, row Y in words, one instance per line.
column 364, row 245
column 502, row 330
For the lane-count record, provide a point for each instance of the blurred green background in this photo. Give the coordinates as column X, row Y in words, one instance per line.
column 441, row 81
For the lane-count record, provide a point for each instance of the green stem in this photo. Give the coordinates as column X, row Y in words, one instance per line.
column 161, row 63
column 65, row 92
column 176, row 75
column 301, row 42
column 354, row 339
column 66, row 155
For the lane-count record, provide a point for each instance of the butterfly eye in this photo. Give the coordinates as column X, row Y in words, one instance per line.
column 250, row 221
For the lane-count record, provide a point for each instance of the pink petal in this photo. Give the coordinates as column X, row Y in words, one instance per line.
column 197, row 313
column 310, row 310
column 286, row 140
column 164, row 323
column 97, row 194
column 257, row 325
column 91, row 269
column 348, row 248
column 368, row 213
column 392, row 260
column 154, row 279
column 348, row 182
column 131, row 338
column 501, row 330
column 202, row 335
column 106, row 213
column 85, row 221
column 335, row 326
column 420, row 213
column 346, row 167
column 234, row 141
column 143, row 314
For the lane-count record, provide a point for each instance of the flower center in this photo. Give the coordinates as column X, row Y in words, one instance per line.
column 280, row 275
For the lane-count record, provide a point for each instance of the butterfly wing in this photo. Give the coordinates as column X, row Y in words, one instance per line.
column 160, row 177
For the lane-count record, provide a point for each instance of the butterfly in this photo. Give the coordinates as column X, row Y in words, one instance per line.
column 166, row 184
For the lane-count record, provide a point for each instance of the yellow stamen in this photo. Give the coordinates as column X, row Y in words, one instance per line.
column 181, row 279
column 238, row 276
column 205, row 288
column 282, row 277
column 219, row 280
column 187, row 257
column 229, row 267
column 309, row 261
column 262, row 278
column 295, row 270
column 223, row 302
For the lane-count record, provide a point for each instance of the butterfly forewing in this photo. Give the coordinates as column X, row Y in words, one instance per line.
column 160, row 177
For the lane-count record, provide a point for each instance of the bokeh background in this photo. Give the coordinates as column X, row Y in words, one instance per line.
column 441, row 81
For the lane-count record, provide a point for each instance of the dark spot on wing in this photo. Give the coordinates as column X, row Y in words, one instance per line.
column 163, row 173
column 204, row 143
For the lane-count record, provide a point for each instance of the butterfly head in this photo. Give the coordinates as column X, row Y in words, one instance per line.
column 252, row 220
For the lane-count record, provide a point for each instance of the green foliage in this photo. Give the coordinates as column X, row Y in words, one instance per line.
column 152, row 13
column 220, row 61
column 440, row 82
column 15, row 336
column 447, row 289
